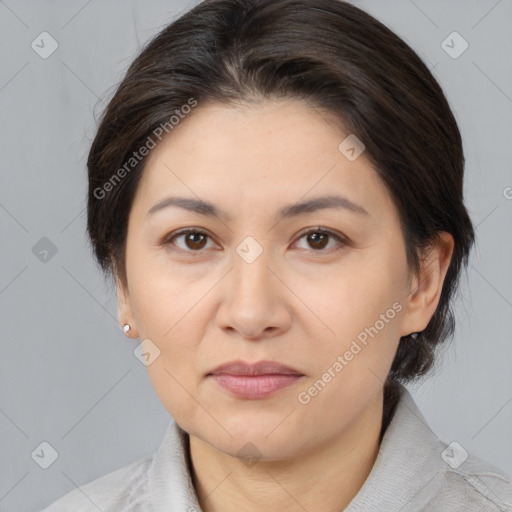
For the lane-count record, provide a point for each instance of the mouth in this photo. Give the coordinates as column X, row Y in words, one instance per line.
column 254, row 381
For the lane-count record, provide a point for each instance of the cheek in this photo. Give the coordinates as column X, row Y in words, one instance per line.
column 174, row 374
column 357, row 295
column 352, row 365
column 174, row 318
column 363, row 306
column 168, row 311
column 163, row 293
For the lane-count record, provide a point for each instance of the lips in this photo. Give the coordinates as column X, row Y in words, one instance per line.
column 254, row 381
column 259, row 368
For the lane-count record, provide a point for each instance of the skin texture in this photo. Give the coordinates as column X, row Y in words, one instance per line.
column 302, row 302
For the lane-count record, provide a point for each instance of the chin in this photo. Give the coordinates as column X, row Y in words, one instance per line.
column 253, row 446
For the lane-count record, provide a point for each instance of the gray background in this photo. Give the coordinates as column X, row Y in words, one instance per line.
column 68, row 374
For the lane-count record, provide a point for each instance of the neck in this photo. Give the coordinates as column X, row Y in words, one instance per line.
column 325, row 478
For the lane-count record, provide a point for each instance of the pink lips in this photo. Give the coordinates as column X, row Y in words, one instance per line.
column 253, row 381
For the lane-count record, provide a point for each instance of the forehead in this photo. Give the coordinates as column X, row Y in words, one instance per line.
column 276, row 152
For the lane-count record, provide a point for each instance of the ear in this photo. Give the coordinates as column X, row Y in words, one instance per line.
column 426, row 286
column 125, row 312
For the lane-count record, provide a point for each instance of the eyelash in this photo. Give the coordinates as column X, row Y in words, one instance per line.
column 168, row 240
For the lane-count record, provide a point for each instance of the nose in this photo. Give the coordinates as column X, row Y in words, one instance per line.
column 254, row 300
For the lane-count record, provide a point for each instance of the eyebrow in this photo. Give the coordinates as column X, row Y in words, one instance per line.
column 207, row 209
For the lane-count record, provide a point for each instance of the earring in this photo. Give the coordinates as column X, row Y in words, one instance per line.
column 126, row 328
column 414, row 335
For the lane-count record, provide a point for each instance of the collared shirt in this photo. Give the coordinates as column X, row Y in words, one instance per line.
column 414, row 472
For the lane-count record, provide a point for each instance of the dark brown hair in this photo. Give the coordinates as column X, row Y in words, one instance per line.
column 339, row 59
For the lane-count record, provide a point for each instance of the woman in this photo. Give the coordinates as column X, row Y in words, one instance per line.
column 277, row 189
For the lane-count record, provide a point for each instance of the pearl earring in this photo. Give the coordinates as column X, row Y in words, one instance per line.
column 126, row 328
column 414, row 335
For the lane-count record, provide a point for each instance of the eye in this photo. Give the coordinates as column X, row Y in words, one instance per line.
column 318, row 238
column 193, row 239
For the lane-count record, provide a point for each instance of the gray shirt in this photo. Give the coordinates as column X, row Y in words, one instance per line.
column 414, row 472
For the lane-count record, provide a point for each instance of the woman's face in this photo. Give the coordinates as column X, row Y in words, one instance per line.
column 253, row 286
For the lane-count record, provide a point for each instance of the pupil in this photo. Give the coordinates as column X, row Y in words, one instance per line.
column 315, row 236
column 192, row 238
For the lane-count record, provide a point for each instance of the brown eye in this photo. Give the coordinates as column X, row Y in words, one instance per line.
column 193, row 240
column 318, row 239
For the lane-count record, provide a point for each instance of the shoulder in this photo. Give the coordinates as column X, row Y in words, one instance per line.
column 473, row 486
column 416, row 471
column 124, row 489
